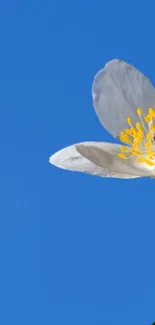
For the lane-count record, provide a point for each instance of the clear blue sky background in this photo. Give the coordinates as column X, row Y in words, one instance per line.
column 74, row 249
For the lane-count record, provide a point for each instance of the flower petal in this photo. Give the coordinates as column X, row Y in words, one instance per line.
column 118, row 90
column 97, row 158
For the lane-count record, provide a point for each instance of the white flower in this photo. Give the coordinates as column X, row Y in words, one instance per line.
column 124, row 101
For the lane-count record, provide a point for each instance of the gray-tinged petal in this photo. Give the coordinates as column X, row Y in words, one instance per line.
column 97, row 158
column 118, row 90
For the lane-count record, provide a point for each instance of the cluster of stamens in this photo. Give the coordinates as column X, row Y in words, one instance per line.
column 140, row 139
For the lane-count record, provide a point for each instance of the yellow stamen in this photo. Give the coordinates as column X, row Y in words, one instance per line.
column 142, row 144
column 128, row 131
column 137, row 140
column 140, row 134
column 124, row 149
column 139, row 112
column 133, row 132
column 152, row 128
column 147, row 144
column 139, row 127
column 146, row 161
column 129, row 120
column 125, row 138
column 150, row 153
column 148, row 136
column 122, row 156
column 151, row 112
column 147, row 118
column 135, row 152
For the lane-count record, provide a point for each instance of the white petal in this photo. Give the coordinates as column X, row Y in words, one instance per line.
column 105, row 155
column 118, row 90
column 97, row 158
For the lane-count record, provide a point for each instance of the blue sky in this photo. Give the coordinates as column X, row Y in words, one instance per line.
column 74, row 249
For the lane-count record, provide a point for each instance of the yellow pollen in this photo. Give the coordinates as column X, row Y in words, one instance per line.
column 151, row 112
column 129, row 120
column 140, row 134
column 146, row 161
column 137, row 140
column 125, row 138
column 147, row 118
column 139, row 112
column 139, row 127
column 148, row 136
column 122, row 156
column 124, row 149
column 135, row 146
column 128, row 131
column 135, row 152
column 133, row 132
column 150, row 153
column 140, row 137
column 147, row 144
column 152, row 128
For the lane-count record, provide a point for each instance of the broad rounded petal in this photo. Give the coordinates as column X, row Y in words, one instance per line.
column 69, row 158
column 97, row 158
column 105, row 155
column 118, row 90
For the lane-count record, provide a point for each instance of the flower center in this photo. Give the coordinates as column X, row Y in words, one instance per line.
column 140, row 138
